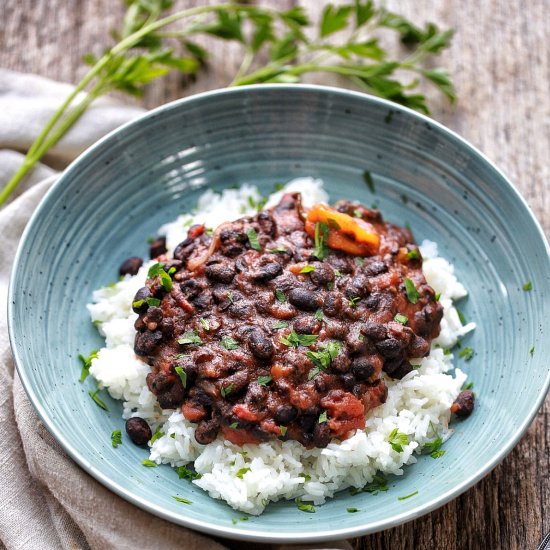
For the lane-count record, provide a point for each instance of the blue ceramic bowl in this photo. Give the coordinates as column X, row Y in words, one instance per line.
column 123, row 188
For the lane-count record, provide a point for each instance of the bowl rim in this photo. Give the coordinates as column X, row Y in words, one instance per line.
column 210, row 527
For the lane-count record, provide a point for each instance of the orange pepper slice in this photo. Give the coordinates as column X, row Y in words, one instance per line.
column 352, row 235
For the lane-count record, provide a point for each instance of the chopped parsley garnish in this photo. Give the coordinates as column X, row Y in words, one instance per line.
column 229, row 295
column 330, row 285
column 183, row 376
column 171, row 271
column 532, row 351
column 303, row 507
column 156, row 435
column 148, row 463
column 264, row 380
column 294, row 339
column 172, row 435
column 333, row 223
column 527, row 286
column 234, row 521
column 153, row 302
column 307, row 269
column 397, row 439
column 244, row 518
column 185, row 473
column 352, row 510
column 234, row 425
column 283, row 430
column 253, row 238
column 321, row 239
column 412, row 293
column 190, row 338
column 401, row 319
column 280, row 295
column 468, row 386
column 182, row 500
column 413, row 254
column 438, row 296
column 228, row 343
column 357, row 213
column 379, row 484
column 323, row 417
column 434, row 447
column 338, row 274
column 359, row 261
column 407, row 496
column 466, row 353
column 97, row 400
column 353, row 301
column 116, row 438
column 157, row 270
column 368, row 180
column 241, row 472
column 86, row 364
column 280, row 324
column 322, row 359
column 313, row 373
column 306, row 477
column 278, row 250
column 204, row 323
column 461, row 316
column 137, row 303
column 226, row 391
column 319, row 316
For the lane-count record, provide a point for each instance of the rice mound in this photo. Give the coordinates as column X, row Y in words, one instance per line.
column 418, row 405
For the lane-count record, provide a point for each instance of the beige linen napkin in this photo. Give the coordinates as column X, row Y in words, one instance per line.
column 46, row 500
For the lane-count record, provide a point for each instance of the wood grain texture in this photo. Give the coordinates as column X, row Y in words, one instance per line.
column 500, row 64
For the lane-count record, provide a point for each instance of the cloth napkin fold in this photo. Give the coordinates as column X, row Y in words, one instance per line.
column 47, row 501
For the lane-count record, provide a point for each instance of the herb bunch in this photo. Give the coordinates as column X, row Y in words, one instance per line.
column 278, row 47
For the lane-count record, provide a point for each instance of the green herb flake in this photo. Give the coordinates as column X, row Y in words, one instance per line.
column 148, row 463
column 438, row 296
column 97, row 400
column 116, row 438
column 278, row 250
column 407, row 496
column 333, row 224
column 264, row 380
column 253, row 238
column 461, row 316
column 172, row 435
column 330, row 285
column 323, row 358
column 185, row 473
column 413, row 254
column 86, row 364
column 319, row 316
column 307, row 269
column 229, row 343
column 294, row 339
column 313, row 373
column 241, row 472
column 401, row 319
column 229, row 295
column 321, row 250
column 156, row 436
column 352, row 510
column 171, row 271
column 528, row 286
column 357, row 213
column 379, row 484
column 183, row 376
column 468, row 386
column 225, row 391
column 244, row 518
column 306, row 477
column 434, row 448
column 283, row 430
column 234, row 521
column 234, row 426
column 303, row 507
column 323, row 417
column 359, row 261
column 137, row 304
column 280, row 324
column 182, row 500
column 338, row 274
column 412, row 294
column 204, row 323
column 190, row 338
column 397, row 439
column 280, row 295
column 466, row 353
column 353, row 301
column 367, row 178
column 532, row 351
column 153, row 302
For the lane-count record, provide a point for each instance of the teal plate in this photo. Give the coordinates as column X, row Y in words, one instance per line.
column 123, row 188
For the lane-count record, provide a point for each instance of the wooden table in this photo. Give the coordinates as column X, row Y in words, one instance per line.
column 500, row 64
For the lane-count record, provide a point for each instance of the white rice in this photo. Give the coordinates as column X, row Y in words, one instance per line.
column 418, row 405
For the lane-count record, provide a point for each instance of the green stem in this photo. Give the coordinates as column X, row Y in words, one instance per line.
column 245, row 65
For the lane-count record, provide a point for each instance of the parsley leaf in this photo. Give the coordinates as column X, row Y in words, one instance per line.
column 401, row 319
column 527, row 286
column 413, row 254
column 412, row 293
column 190, row 338
column 205, row 324
column 323, row 417
column 182, row 500
column 241, row 472
column 86, row 364
column 294, row 339
column 185, row 473
column 283, row 430
column 228, row 343
column 280, row 295
column 225, row 391
column 307, row 269
column 323, row 358
column 280, row 324
column 407, row 496
column 156, row 436
column 182, row 374
column 148, row 463
column 321, row 250
column 368, row 180
column 303, row 507
column 253, row 238
column 352, row 510
column 116, row 438
column 467, row 353
column 264, row 380
column 434, row 447
column 379, row 484
column 97, row 400
column 319, row 316
column 397, row 440
column 153, row 302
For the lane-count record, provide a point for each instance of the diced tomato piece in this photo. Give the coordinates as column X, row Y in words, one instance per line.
column 345, row 412
column 192, row 412
column 238, row 437
column 242, row 412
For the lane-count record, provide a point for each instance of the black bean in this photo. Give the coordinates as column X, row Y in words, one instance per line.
column 256, row 395
column 241, row 310
column 138, row 430
column 222, row 272
column 418, row 347
column 241, row 266
column 307, row 421
column 159, row 382
column 285, row 414
column 389, row 348
column 232, row 250
column 374, row 331
column 464, row 404
column 304, row 299
column 348, row 380
column 321, row 435
column 332, row 304
column 238, row 381
column 404, row 368
column 184, row 249
column 171, row 397
column 266, row 272
column 142, row 294
column 260, row 345
column 130, row 266
column 320, row 383
column 372, row 301
column 154, row 315
column 190, row 288
column 362, row 368
column 305, row 325
column 157, row 247
column 267, row 223
column 207, row 430
column 373, row 268
column 322, row 275
column 147, row 341
column 202, row 301
column 341, row 363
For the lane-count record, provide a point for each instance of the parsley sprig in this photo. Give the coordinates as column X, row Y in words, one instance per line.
column 144, row 52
